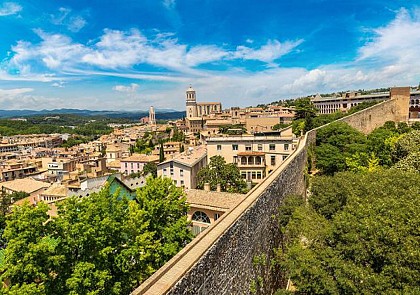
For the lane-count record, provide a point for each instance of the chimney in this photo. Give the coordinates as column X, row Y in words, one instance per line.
column 219, row 188
column 207, row 187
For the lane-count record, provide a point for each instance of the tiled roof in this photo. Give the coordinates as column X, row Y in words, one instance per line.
column 219, row 200
column 27, row 185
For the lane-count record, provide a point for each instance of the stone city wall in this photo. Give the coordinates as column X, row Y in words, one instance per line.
column 220, row 260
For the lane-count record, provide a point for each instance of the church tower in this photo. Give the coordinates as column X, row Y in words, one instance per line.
column 152, row 118
column 191, row 102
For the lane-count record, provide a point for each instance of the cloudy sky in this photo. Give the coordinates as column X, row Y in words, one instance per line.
column 128, row 54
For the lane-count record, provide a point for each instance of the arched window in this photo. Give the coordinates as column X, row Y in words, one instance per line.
column 201, row 217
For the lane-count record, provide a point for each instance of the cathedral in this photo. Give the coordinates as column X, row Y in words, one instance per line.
column 199, row 110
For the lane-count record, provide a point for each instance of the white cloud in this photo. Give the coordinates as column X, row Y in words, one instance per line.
column 15, row 91
column 76, row 23
column 65, row 17
column 169, row 4
column 126, row 49
column 127, row 89
column 269, row 52
column 397, row 42
column 389, row 58
column 9, row 8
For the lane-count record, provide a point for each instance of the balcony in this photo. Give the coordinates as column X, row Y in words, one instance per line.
column 251, row 159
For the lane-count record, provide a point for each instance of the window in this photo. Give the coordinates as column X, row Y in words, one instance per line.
column 284, row 157
column 286, row 146
column 126, row 165
column 234, row 147
column 182, row 183
column 200, row 217
column 259, row 175
column 216, row 216
column 181, row 172
column 272, row 147
column 243, row 175
column 273, row 160
column 172, row 171
column 138, row 165
column 254, row 175
column 260, row 147
column 248, row 148
column 235, row 159
column 219, row 147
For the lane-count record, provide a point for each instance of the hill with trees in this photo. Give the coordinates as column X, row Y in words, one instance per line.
column 358, row 232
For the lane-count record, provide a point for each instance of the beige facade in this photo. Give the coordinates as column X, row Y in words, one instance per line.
column 208, row 108
column 206, row 207
column 183, row 168
column 255, row 155
column 328, row 105
column 266, row 123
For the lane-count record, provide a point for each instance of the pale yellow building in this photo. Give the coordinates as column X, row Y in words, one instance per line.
column 183, row 168
column 256, row 156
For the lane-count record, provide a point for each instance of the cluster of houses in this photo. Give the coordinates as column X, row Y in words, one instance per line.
column 37, row 165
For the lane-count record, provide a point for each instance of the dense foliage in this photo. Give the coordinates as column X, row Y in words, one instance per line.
column 359, row 234
column 101, row 244
column 219, row 172
column 340, row 147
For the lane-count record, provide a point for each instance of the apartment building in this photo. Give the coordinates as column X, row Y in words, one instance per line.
column 136, row 162
column 255, row 155
column 183, row 168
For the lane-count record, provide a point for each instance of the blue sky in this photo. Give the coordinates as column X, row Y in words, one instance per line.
column 128, row 54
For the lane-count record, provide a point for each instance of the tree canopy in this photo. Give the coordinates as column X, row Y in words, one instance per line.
column 358, row 234
column 219, row 172
column 101, row 244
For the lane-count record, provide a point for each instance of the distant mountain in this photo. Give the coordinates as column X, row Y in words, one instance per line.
column 163, row 114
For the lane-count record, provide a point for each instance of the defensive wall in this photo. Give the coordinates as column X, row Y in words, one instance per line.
column 220, row 260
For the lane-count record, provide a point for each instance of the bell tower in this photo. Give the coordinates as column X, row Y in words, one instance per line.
column 191, row 103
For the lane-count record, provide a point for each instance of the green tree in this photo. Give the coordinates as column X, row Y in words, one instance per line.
column 165, row 209
column 161, row 153
column 357, row 235
column 279, row 126
column 337, row 142
column 219, row 172
column 101, row 244
column 150, row 168
column 305, row 110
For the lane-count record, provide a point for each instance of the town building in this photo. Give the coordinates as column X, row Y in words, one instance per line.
column 136, row 162
column 184, row 167
column 255, row 155
column 347, row 100
column 205, row 207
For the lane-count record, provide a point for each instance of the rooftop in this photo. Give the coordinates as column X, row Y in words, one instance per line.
column 141, row 158
column 191, row 156
column 27, row 185
column 218, row 200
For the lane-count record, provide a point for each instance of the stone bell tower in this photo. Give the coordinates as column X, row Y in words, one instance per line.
column 191, row 103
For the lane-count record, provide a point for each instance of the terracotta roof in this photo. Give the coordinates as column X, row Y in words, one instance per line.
column 56, row 189
column 114, row 164
column 27, row 185
column 190, row 158
column 141, row 158
column 219, row 200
